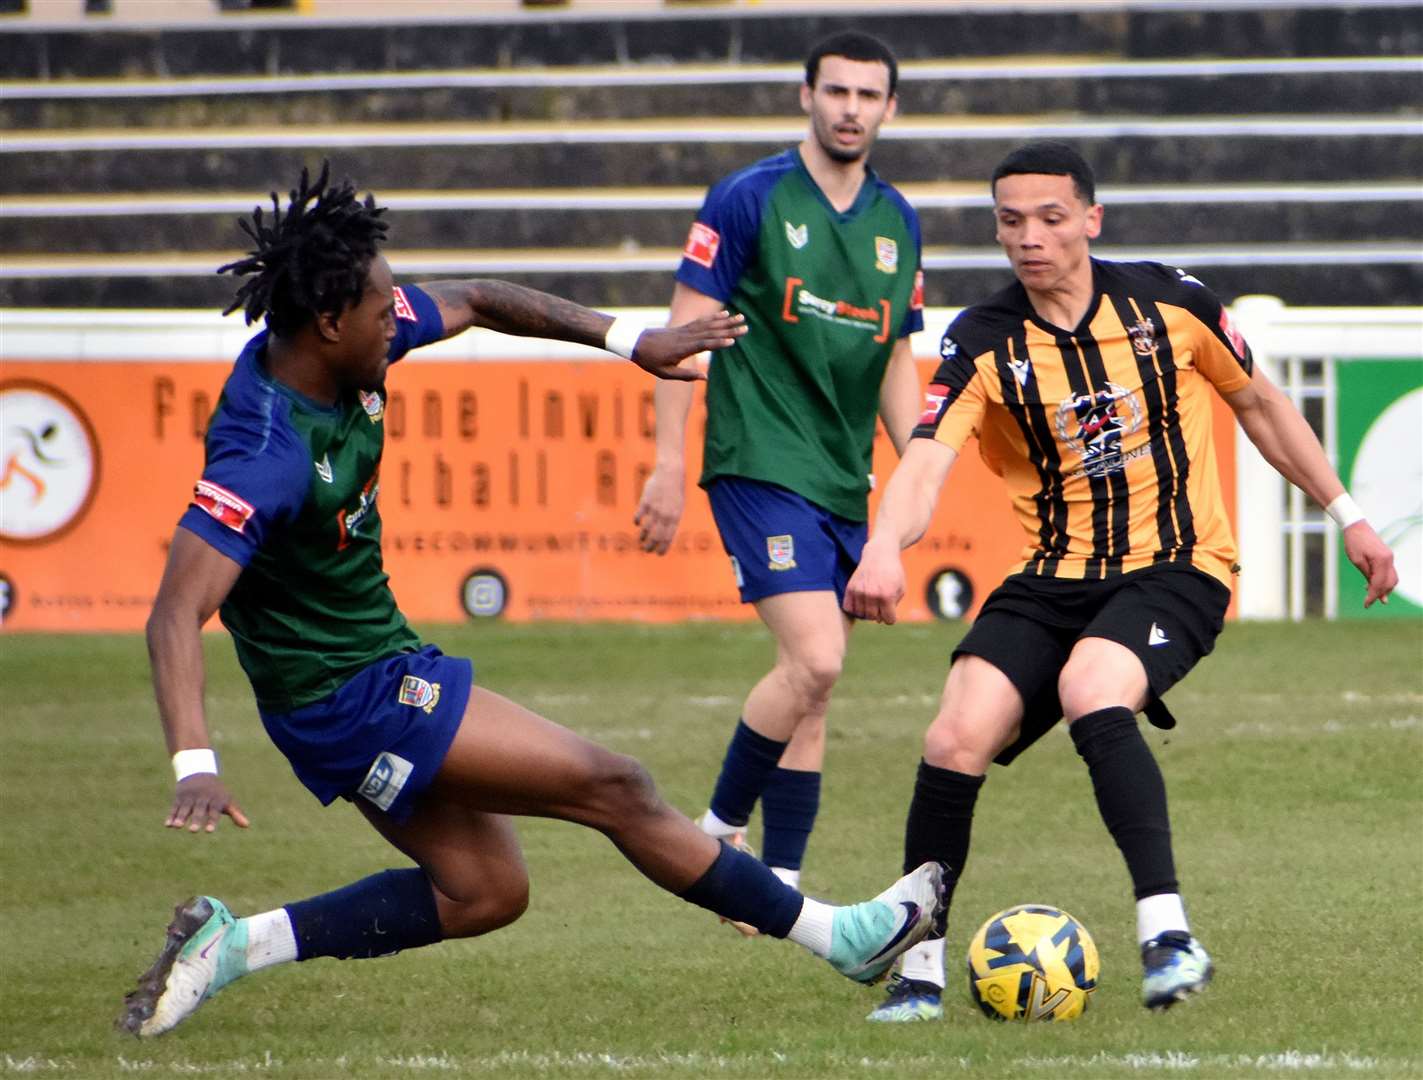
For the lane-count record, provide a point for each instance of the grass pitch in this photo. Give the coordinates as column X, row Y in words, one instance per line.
column 1295, row 793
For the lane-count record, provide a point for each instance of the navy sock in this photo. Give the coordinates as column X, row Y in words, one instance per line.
column 742, row 888
column 940, row 823
column 788, row 808
column 1131, row 795
column 750, row 760
column 376, row 916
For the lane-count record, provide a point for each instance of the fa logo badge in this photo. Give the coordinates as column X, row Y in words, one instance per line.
column 387, row 776
column 886, row 254
column 419, row 694
column 1143, row 337
column 781, row 551
column 798, row 235
column 374, row 405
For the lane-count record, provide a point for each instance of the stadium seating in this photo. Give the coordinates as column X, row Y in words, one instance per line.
column 1272, row 147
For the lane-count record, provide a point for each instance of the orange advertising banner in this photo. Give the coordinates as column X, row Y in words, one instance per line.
column 508, row 489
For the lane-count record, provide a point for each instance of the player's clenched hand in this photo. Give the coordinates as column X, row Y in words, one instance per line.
column 659, row 511
column 660, row 350
column 199, row 801
column 1373, row 558
column 876, row 586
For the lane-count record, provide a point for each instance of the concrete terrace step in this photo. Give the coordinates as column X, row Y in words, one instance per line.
column 1153, row 29
column 631, row 219
column 1008, row 85
column 1313, row 274
column 1137, row 150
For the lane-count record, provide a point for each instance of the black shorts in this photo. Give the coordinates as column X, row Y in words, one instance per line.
column 1169, row 616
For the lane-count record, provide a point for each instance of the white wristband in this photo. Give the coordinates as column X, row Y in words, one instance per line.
column 622, row 336
column 188, row 763
column 1345, row 511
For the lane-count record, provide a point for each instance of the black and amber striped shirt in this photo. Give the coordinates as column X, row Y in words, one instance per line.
column 1102, row 433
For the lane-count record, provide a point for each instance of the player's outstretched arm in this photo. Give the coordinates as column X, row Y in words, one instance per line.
column 196, row 580
column 877, row 585
column 514, row 309
column 659, row 508
column 1285, row 439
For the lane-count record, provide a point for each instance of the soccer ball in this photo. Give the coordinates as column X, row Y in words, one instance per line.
column 1032, row 962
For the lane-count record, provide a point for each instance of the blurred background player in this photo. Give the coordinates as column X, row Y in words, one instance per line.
column 283, row 535
column 822, row 257
column 1087, row 385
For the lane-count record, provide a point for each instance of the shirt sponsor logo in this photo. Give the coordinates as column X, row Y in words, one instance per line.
column 349, row 522
column 1094, row 425
column 886, row 254
column 387, row 775
column 801, row 301
column 1228, row 328
column 702, row 244
column 373, row 403
column 780, row 550
column 49, row 462
column 1143, row 337
column 403, row 310
column 798, row 235
column 934, row 399
column 222, row 505
column 418, row 693
column 916, row 298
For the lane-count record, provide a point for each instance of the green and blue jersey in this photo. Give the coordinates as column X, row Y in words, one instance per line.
column 826, row 295
column 288, row 491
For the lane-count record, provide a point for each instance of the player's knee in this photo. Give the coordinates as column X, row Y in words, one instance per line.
column 496, row 900
column 947, row 745
column 623, row 790
column 814, row 674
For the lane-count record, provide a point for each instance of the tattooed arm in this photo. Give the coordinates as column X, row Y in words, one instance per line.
column 514, row 309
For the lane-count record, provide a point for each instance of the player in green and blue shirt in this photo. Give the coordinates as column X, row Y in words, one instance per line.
column 283, row 536
column 822, row 257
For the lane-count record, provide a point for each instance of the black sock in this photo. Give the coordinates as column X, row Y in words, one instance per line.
column 940, row 823
column 375, row 916
column 750, row 759
column 739, row 887
column 788, row 809
column 1131, row 795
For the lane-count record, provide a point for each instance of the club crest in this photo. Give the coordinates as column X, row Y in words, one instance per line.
column 419, row 694
column 886, row 254
column 780, row 550
column 373, row 403
column 1143, row 337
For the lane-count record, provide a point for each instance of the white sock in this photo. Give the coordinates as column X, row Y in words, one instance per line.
column 712, row 825
column 924, row 962
column 1157, row 914
column 789, row 876
column 270, row 939
column 813, row 928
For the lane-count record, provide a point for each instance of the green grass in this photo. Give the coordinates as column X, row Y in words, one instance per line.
column 1296, row 783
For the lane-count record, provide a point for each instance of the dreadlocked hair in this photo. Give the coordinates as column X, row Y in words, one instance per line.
column 311, row 259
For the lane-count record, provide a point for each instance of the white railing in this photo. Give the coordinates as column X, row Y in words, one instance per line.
column 1300, row 348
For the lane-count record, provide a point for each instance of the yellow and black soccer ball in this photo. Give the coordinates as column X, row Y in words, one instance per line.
column 1032, row 962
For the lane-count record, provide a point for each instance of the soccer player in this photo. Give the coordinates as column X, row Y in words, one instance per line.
column 283, row 535
column 821, row 256
column 1087, row 384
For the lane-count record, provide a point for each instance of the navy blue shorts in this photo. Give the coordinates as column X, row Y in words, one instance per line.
column 780, row 542
column 383, row 735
